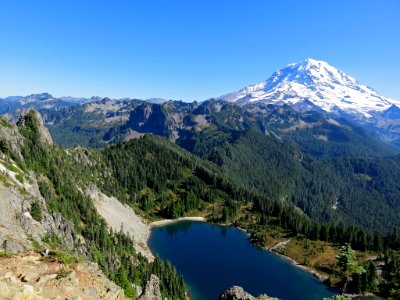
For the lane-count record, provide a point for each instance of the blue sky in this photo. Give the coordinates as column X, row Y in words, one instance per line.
column 187, row 49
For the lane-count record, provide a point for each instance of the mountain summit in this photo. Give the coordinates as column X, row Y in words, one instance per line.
column 314, row 82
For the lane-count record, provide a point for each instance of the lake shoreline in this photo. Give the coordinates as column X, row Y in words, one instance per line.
column 295, row 263
column 245, row 237
column 320, row 277
column 309, row 270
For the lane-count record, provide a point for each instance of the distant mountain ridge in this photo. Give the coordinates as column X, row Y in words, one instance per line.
column 105, row 122
column 306, row 87
column 15, row 105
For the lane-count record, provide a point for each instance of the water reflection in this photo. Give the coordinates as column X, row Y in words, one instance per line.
column 223, row 230
column 177, row 227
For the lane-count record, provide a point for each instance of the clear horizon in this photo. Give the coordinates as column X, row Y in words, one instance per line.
column 190, row 51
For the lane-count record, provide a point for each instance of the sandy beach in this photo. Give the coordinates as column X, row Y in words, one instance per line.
column 169, row 221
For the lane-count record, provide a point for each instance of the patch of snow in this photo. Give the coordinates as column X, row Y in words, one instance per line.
column 335, row 206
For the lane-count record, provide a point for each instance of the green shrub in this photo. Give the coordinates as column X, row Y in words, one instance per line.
column 52, row 240
column 64, row 257
column 5, row 254
column 36, row 211
column 19, row 177
column 4, row 123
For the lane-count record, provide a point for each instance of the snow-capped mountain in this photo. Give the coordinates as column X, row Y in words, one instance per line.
column 313, row 82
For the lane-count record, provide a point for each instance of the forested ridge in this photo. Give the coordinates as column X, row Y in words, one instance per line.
column 352, row 190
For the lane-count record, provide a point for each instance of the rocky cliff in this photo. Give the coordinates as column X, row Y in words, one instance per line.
column 20, row 195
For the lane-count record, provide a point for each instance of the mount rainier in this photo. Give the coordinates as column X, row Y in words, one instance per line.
column 314, row 83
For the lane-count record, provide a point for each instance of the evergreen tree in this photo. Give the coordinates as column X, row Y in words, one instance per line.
column 348, row 265
column 121, row 278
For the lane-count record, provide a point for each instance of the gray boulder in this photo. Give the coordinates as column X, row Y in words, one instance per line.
column 152, row 289
column 238, row 293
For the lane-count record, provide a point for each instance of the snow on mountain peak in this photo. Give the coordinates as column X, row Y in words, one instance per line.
column 318, row 82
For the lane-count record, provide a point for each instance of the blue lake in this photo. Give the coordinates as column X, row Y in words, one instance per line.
column 212, row 258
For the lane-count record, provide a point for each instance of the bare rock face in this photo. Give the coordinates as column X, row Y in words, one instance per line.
column 152, row 289
column 12, row 246
column 238, row 293
column 17, row 227
column 11, row 138
column 44, row 132
column 55, row 223
column 15, row 221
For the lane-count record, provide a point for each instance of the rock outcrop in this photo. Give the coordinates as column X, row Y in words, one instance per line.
column 44, row 134
column 152, row 289
column 10, row 139
column 33, row 277
column 238, row 293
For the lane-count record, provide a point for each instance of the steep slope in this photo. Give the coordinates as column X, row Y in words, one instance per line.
column 87, row 124
column 317, row 133
column 335, row 190
column 164, row 180
column 122, row 217
column 24, row 217
column 385, row 125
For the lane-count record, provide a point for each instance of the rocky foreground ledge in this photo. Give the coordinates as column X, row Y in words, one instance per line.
column 32, row 277
column 238, row 293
